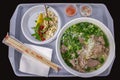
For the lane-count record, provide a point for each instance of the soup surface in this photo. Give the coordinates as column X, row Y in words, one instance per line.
column 84, row 47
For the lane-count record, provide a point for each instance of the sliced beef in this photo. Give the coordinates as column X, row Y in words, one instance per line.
column 81, row 61
column 92, row 63
column 63, row 48
column 106, row 50
column 81, row 40
column 101, row 40
column 98, row 48
column 78, row 68
column 72, row 62
column 78, row 52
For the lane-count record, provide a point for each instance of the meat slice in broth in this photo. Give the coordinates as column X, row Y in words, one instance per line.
column 81, row 40
column 63, row 48
column 72, row 62
column 92, row 63
column 101, row 40
column 97, row 49
column 78, row 68
column 81, row 61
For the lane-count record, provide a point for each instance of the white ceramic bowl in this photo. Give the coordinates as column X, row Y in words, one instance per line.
column 111, row 46
column 28, row 21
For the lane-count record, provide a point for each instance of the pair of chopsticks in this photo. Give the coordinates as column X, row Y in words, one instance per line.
column 19, row 46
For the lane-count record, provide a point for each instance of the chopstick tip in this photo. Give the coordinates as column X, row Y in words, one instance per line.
column 58, row 69
column 7, row 35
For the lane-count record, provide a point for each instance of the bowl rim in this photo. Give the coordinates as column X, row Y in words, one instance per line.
column 110, row 57
column 48, row 40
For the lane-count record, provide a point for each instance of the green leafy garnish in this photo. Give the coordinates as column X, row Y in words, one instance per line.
column 68, row 63
column 101, row 60
column 35, row 34
column 48, row 19
column 106, row 40
column 88, row 69
column 35, row 20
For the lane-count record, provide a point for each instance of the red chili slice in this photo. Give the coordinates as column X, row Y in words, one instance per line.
column 41, row 27
column 42, row 38
column 40, row 33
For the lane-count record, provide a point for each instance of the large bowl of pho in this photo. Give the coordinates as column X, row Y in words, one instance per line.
column 85, row 47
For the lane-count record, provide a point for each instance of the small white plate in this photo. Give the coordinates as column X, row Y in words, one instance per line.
column 28, row 21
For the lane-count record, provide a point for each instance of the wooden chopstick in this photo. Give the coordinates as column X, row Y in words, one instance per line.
column 11, row 41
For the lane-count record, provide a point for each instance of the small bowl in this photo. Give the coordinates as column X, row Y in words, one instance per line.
column 85, row 10
column 73, row 7
column 110, row 57
column 28, row 21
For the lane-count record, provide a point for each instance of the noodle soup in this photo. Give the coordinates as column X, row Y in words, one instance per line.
column 84, row 47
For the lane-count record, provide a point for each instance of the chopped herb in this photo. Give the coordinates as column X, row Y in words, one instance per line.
column 102, row 60
column 88, row 69
column 48, row 19
column 106, row 40
column 36, row 35
column 68, row 63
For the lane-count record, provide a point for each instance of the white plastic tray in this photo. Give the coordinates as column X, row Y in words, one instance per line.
column 100, row 12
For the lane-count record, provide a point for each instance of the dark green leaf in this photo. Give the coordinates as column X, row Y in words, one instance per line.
column 106, row 40
column 102, row 60
column 48, row 19
column 35, row 20
column 88, row 69
column 37, row 37
column 68, row 63
column 34, row 34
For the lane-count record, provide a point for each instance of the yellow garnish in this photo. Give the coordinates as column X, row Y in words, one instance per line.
column 40, row 19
